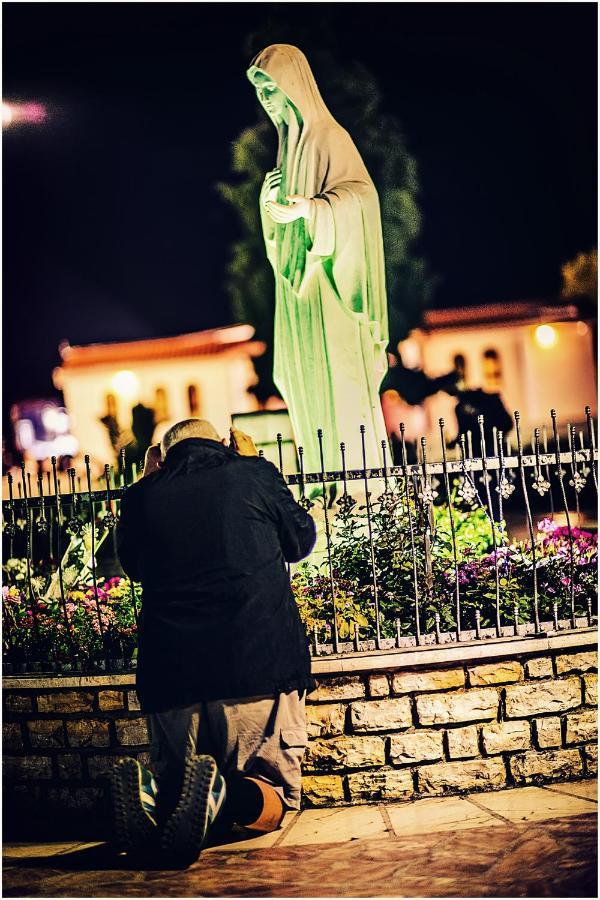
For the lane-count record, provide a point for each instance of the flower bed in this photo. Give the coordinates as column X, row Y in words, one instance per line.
column 398, row 563
column 103, row 624
column 406, row 545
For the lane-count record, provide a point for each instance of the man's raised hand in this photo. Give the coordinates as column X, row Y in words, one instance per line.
column 242, row 443
column 152, row 461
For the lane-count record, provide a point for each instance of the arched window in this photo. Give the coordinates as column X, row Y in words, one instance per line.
column 110, row 420
column 460, row 366
column 111, row 406
column 492, row 370
column 193, row 394
column 161, row 411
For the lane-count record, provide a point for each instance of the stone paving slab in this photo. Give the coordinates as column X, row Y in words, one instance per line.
column 531, row 804
column 334, row 826
column 523, row 842
column 326, row 826
column 241, row 841
column 588, row 790
column 537, row 859
column 439, row 814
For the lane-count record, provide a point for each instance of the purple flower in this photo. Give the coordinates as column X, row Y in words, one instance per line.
column 547, row 526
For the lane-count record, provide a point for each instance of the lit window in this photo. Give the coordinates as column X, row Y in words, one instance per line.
column 161, row 410
column 492, row 370
column 111, row 406
column 193, row 400
column 460, row 367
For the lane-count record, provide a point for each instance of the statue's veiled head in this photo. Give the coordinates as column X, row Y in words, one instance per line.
column 270, row 96
column 284, row 81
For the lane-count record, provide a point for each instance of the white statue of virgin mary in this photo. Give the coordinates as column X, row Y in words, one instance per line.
column 322, row 229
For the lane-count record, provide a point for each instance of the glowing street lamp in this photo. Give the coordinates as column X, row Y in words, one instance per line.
column 546, row 336
column 23, row 114
column 126, row 384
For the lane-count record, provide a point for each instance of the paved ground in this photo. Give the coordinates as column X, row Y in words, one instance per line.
column 526, row 842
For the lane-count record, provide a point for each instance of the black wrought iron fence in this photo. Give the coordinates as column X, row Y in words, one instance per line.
column 412, row 553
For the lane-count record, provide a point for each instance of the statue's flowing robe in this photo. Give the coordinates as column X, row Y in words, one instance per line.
column 331, row 324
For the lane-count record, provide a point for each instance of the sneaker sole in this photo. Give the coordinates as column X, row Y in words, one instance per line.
column 134, row 829
column 185, row 832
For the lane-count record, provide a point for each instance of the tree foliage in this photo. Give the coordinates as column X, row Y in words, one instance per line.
column 353, row 97
column 580, row 276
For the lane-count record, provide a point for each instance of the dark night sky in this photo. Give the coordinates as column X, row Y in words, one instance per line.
column 112, row 228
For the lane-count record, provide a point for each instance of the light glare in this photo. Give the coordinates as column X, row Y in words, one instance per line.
column 126, row 384
column 546, row 336
column 28, row 113
column 56, row 420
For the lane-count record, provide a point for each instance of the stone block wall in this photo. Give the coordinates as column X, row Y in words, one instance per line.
column 407, row 734
column 59, row 742
column 395, row 727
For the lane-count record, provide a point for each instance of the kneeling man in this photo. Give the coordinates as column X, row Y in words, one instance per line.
column 223, row 660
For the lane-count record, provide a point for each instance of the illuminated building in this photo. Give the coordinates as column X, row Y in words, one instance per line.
column 204, row 374
column 536, row 356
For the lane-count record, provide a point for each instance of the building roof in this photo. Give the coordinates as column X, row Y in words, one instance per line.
column 498, row 314
column 197, row 343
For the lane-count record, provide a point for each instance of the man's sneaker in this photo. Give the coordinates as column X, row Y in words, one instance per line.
column 134, row 792
column 202, row 799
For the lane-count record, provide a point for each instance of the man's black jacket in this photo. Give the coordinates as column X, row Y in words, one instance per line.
column 207, row 535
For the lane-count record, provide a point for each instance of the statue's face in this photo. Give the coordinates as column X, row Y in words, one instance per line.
column 270, row 96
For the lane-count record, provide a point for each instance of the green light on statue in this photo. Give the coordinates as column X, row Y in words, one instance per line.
column 322, row 229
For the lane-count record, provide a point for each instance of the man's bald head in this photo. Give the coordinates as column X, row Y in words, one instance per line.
column 189, row 428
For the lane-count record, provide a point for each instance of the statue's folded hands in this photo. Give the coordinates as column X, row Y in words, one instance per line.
column 270, row 186
column 298, row 208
